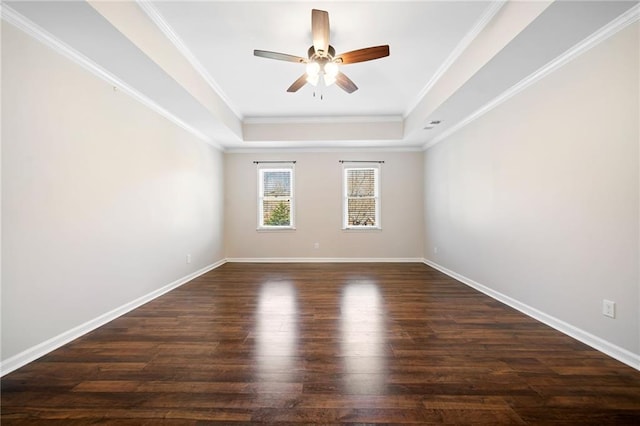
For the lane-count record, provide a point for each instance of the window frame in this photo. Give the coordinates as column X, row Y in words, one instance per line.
column 346, row 166
column 275, row 167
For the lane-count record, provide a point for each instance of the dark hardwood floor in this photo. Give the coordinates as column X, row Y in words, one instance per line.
column 323, row 343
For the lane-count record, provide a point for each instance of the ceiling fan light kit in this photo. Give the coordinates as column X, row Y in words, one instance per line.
column 322, row 63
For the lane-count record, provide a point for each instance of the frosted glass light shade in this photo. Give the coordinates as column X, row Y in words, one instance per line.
column 331, row 68
column 313, row 79
column 313, row 68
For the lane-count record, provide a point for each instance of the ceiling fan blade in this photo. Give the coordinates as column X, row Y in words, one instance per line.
column 320, row 31
column 298, row 83
column 361, row 55
column 278, row 56
column 345, row 83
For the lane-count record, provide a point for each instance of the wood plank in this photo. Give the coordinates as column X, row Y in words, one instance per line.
column 323, row 343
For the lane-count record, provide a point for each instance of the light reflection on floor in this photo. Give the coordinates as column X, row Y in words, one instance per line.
column 276, row 330
column 363, row 338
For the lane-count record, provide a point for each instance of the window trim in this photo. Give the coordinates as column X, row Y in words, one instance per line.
column 377, row 197
column 261, row 168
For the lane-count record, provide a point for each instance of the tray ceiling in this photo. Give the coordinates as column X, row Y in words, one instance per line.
column 193, row 61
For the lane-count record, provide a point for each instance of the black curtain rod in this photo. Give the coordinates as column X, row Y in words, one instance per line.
column 258, row 162
column 360, row 161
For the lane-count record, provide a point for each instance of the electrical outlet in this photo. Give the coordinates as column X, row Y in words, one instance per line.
column 316, row 245
column 188, row 258
column 608, row 308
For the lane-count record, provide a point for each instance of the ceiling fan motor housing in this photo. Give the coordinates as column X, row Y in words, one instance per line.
column 311, row 53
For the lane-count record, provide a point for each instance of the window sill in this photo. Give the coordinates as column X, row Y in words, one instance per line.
column 276, row 229
column 363, row 229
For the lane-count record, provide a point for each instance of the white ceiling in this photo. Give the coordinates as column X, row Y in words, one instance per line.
column 193, row 61
column 223, row 35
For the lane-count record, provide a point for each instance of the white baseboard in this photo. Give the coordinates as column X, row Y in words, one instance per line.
column 44, row 348
column 35, row 352
column 324, row 260
column 608, row 348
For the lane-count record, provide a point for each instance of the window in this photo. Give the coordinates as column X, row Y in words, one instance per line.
column 361, row 199
column 275, row 196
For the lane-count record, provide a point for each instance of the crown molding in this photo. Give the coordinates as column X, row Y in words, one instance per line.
column 19, row 21
column 281, row 150
column 325, row 119
column 629, row 17
column 166, row 29
column 486, row 17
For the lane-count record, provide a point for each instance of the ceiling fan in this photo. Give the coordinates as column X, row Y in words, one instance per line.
column 322, row 60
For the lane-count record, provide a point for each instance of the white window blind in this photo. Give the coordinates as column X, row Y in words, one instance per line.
column 276, row 196
column 361, row 195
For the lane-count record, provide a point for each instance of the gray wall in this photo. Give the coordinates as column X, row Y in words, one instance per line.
column 538, row 199
column 318, row 208
column 101, row 197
